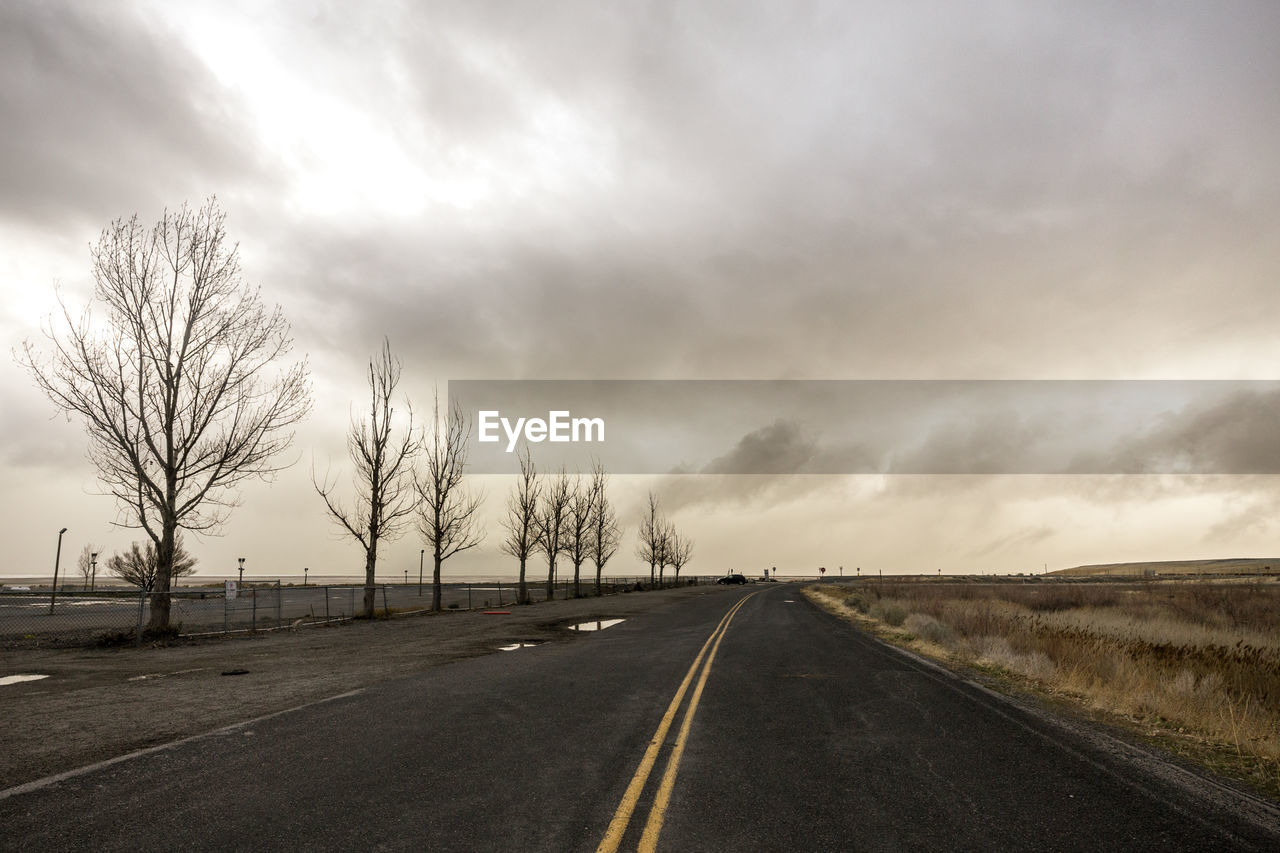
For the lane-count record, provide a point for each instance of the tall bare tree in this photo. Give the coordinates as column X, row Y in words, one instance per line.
column 679, row 552
column 521, row 521
column 653, row 535
column 604, row 534
column 141, row 566
column 553, row 511
column 448, row 514
column 577, row 529
column 174, row 383
column 85, row 563
column 383, row 458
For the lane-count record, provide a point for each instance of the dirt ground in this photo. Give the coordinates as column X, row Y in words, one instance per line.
column 100, row 703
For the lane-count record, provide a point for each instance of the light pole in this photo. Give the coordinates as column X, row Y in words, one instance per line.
column 421, row 556
column 304, row 575
column 241, row 559
column 93, row 570
column 56, row 557
column 406, row 577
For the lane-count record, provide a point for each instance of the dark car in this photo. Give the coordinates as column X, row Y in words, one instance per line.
column 733, row 578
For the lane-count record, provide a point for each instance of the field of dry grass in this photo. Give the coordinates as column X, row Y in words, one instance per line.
column 1195, row 664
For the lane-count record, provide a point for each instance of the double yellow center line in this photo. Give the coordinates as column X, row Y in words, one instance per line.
column 653, row 826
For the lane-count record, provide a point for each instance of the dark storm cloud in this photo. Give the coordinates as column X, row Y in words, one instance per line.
column 105, row 115
column 1238, row 435
column 831, row 190
column 780, row 448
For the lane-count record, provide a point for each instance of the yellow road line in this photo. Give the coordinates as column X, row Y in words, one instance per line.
column 658, row 812
column 622, row 817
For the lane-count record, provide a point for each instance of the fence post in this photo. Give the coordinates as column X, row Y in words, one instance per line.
column 142, row 600
column 278, row 623
column 386, row 611
column 353, row 602
column 253, row 621
column 468, row 596
column 499, row 593
column 225, row 626
column 326, row 604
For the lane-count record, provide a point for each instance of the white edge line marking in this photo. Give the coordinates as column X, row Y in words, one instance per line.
column 36, row 785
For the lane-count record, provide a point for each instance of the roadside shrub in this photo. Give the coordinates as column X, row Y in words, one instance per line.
column 858, row 602
column 890, row 614
column 929, row 629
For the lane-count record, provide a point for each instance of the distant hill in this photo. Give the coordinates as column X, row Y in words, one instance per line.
column 1236, row 566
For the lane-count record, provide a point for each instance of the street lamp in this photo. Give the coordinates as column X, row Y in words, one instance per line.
column 93, row 569
column 56, row 557
column 406, row 577
column 241, row 559
column 304, row 575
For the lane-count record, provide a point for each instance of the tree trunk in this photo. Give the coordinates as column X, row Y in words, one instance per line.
column 577, row 587
column 159, row 597
column 598, row 569
column 523, row 597
column 370, row 591
column 551, row 577
column 651, row 574
column 435, row 583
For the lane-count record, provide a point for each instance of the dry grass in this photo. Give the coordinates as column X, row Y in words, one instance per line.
column 1195, row 663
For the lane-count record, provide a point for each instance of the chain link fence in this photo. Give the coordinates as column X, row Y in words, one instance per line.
column 122, row 616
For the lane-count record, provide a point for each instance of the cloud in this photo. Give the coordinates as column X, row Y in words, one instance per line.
column 106, row 115
column 780, row 448
column 1238, row 435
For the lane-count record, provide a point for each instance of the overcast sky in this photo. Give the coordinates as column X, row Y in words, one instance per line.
column 581, row 190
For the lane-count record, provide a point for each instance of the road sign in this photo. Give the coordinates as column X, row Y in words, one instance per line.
column 231, row 590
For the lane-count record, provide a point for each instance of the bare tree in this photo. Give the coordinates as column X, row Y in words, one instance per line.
column 173, row 387
column 141, row 566
column 383, row 458
column 553, row 511
column 653, row 534
column 448, row 515
column 666, row 533
column 604, row 534
column 522, row 519
column 679, row 552
column 577, row 529
column 85, row 563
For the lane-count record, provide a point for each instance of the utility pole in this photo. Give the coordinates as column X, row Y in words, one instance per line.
column 56, row 557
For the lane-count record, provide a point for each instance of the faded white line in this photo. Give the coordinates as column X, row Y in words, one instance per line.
column 18, row 679
column 80, row 771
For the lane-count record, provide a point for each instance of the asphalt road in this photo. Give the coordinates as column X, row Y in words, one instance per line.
column 742, row 719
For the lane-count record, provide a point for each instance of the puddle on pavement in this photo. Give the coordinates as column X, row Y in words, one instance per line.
column 18, row 679
column 513, row 646
column 598, row 625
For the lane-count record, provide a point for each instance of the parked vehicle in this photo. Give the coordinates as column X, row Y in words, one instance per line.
column 732, row 578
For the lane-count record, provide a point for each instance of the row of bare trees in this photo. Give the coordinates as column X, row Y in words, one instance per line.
column 406, row 474
column 558, row 515
column 179, row 385
column 661, row 544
